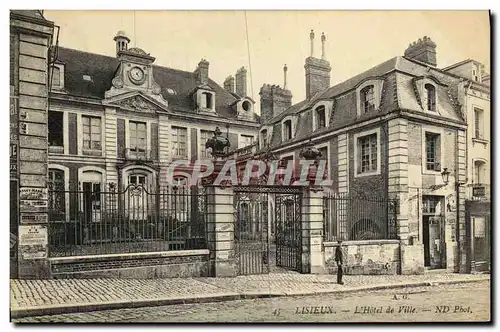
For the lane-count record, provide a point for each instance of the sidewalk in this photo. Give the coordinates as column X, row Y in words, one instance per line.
column 43, row 297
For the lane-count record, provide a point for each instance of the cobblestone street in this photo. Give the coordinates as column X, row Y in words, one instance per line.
column 466, row 302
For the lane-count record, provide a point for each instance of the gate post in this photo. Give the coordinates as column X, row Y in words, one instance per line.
column 312, row 232
column 220, row 231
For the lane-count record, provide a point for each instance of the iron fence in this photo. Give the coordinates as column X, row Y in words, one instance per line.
column 92, row 221
column 348, row 217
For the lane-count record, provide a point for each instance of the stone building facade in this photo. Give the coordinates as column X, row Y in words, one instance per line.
column 475, row 96
column 389, row 132
column 31, row 35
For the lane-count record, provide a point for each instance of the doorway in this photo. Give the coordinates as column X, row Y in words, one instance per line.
column 433, row 228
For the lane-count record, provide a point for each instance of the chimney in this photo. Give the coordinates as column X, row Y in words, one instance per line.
column 201, row 72
column 273, row 101
column 317, row 71
column 423, row 50
column 121, row 41
column 241, row 82
column 229, row 84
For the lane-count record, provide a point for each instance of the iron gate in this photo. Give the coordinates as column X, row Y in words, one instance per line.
column 253, row 250
column 288, row 233
column 251, row 232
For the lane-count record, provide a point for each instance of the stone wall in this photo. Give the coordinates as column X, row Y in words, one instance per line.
column 172, row 264
column 365, row 257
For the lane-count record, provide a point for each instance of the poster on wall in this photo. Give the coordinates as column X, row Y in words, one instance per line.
column 33, row 241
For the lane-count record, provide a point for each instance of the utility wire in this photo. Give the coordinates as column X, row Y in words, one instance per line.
column 248, row 50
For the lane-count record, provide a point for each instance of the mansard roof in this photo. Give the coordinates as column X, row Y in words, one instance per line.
column 399, row 76
column 102, row 70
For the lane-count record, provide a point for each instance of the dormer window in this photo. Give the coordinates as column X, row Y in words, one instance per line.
column 247, row 106
column 287, row 130
column 263, row 138
column 205, row 99
column 57, row 77
column 320, row 114
column 368, row 99
column 430, row 97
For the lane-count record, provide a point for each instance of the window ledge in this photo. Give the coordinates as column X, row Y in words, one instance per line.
column 90, row 152
column 56, row 149
column 480, row 140
column 359, row 175
column 429, row 172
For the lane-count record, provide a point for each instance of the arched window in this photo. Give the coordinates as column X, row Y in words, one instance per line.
column 320, row 114
column 430, row 97
column 287, row 130
column 368, row 99
column 56, row 194
column 181, row 194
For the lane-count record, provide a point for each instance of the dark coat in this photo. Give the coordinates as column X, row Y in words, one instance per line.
column 338, row 255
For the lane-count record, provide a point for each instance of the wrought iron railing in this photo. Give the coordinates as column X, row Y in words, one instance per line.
column 479, row 192
column 349, row 217
column 134, row 219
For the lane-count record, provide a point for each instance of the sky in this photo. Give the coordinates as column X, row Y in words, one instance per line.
column 266, row 40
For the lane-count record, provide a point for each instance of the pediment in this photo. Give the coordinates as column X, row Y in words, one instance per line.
column 137, row 103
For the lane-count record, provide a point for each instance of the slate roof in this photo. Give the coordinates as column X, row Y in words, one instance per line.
column 102, row 69
column 399, row 75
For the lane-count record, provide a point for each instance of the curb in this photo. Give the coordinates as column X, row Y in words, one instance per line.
column 81, row 307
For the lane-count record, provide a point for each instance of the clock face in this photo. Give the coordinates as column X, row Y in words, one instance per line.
column 136, row 75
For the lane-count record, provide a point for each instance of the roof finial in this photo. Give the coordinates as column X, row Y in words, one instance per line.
column 285, row 68
column 311, row 36
column 323, row 39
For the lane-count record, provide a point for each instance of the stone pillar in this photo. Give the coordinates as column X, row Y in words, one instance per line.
column 220, row 231
column 312, row 232
column 33, row 36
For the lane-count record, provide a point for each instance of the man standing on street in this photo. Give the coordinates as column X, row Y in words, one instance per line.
column 340, row 260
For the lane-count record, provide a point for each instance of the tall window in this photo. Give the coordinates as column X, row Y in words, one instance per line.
column 432, row 143
column 55, row 125
column 91, row 133
column 138, row 136
column 263, row 137
column 324, row 156
column 181, row 197
column 320, row 117
column 288, row 129
column 368, row 99
column 245, row 141
column 205, row 135
column 430, row 97
column 179, row 141
column 56, row 77
column 479, row 167
column 367, row 147
column 478, row 123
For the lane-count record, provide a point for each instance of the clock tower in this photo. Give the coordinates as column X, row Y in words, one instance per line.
column 135, row 71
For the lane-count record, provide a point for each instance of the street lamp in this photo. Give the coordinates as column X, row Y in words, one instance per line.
column 445, row 174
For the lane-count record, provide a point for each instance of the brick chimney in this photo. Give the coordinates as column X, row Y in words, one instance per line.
column 201, row 72
column 229, row 84
column 317, row 70
column 241, row 82
column 423, row 50
column 273, row 101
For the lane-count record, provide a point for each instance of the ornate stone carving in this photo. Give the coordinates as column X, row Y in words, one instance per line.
column 118, row 81
column 138, row 103
column 156, row 89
